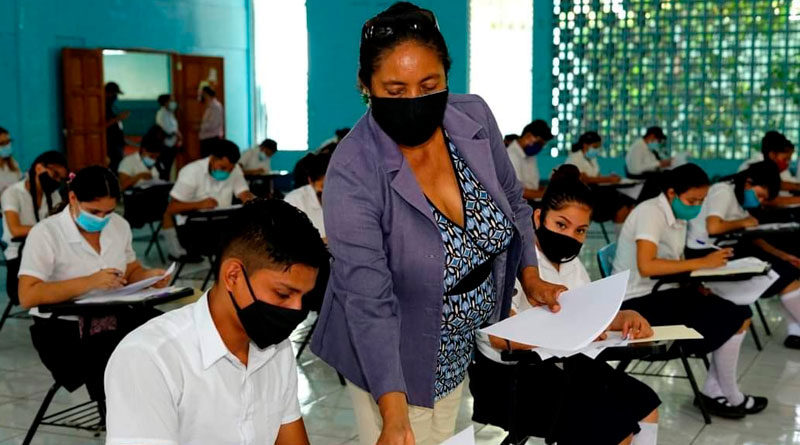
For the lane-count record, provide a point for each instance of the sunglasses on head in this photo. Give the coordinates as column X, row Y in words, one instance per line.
column 422, row 20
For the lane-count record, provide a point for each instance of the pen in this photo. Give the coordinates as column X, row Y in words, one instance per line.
column 709, row 245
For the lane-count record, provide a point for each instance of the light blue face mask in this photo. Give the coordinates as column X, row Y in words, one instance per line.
column 220, row 175
column 750, row 200
column 5, row 152
column 262, row 156
column 148, row 161
column 683, row 210
column 91, row 223
column 592, row 153
column 654, row 146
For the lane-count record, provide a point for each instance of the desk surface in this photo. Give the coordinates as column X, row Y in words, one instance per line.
column 74, row 308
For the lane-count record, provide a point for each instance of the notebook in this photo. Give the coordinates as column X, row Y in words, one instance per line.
column 747, row 265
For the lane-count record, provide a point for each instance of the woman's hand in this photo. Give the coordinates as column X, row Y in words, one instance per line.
column 540, row 292
column 792, row 259
column 157, row 273
column 632, row 325
column 750, row 221
column 717, row 258
column 396, row 425
column 107, row 279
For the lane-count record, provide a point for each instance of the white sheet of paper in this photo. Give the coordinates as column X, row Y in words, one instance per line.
column 136, row 296
column 131, row 288
column 742, row 265
column 744, row 292
column 632, row 192
column 465, row 437
column 774, row 226
column 585, row 313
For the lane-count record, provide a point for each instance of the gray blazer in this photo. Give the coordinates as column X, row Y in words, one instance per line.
column 381, row 320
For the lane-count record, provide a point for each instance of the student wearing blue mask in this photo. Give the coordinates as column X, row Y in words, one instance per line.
column 141, row 165
column 9, row 169
column 645, row 155
column 207, row 183
column 523, row 151
column 86, row 247
column 651, row 244
column 727, row 208
column 256, row 161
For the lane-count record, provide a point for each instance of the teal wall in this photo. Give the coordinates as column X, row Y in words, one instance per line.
column 32, row 34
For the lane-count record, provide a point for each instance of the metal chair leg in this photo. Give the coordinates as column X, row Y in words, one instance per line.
column 154, row 231
column 695, row 388
column 306, row 340
column 706, row 363
column 177, row 272
column 763, row 318
column 605, row 232
column 756, row 339
column 623, row 365
column 40, row 414
column 6, row 313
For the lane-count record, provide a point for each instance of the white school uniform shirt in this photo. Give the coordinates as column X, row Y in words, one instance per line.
column 640, row 159
column 588, row 167
column 133, row 165
column 786, row 175
column 169, row 123
column 654, row 221
column 18, row 199
column 213, row 123
column 195, row 183
column 56, row 251
column 172, row 381
column 571, row 274
column 8, row 177
column 526, row 167
column 721, row 201
column 305, row 199
column 252, row 159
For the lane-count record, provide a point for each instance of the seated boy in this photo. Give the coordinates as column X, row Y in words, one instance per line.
column 141, row 165
column 222, row 370
column 206, row 183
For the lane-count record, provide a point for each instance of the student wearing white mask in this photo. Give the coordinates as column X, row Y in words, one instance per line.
column 222, row 370
column 141, row 165
column 597, row 404
column 256, row 161
column 9, row 169
column 86, row 247
column 645, row 155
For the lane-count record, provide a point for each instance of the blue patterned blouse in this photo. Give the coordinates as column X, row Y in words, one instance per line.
column 487, row 233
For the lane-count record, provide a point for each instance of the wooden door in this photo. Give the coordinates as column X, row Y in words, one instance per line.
column 84, row 107
column 189, row 74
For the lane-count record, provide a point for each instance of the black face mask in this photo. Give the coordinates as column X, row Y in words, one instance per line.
column 49, row 185
column 267, row 324
column 410, row 122
column 556, row 247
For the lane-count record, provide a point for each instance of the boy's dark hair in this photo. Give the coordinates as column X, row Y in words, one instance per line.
column 269, row 143
column 223, row 148
column 317, row 166
column 163, row 99
column 210, row 91
column 153, row 140
column 272, row 234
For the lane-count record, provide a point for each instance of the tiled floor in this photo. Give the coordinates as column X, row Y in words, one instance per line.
column 773, row 372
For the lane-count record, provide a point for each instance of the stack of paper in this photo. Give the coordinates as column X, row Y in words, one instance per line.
column 585, row 313
column 744, row 292
column 131, row 289
column 741, row 266
column 466, row 437
column 774, row 227
column 127, row 298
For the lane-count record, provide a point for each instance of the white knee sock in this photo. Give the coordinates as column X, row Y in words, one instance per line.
column 791, row 306
column 647, row 436
column 725, row 362
column 173, row 245
column 711, row 387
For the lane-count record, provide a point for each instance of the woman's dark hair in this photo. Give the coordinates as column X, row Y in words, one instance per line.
column 46, row 159
column 3, row 130
column 680, row 179
column 401, row 22
column 764, row 174
column 163, row 99
column 775, row 142
column 300, row 172
column 566, row 188
column 153, row 140
column 94, row 182
column 317, row 166
column 590, row 137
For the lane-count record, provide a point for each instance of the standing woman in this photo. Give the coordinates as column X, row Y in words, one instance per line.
column 428, row 230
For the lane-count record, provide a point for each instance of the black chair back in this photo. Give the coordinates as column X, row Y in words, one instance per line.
column 146, row 205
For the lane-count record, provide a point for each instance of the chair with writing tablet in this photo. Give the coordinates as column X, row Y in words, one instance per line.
column 201, row 235
column 605, row 261
column 13, row 297
column 145, row 206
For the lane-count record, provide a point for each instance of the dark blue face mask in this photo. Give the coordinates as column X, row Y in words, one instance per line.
column 533, row 149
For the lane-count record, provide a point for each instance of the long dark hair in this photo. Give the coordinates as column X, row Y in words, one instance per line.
column 566, row 188
column 680, row 179
column 45, row 159
column 401, row 22
column 764, row 174
column 590, row 137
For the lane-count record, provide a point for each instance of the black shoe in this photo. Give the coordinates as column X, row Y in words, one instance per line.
column 720, row 407
column 759, row 404
column 792, row 342
column 186, row 259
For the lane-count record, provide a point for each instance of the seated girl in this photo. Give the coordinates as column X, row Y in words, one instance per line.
column 20, row 213
column 610, row 204
column 650, row 245
column 86, row 247
column 727, row 209
column 613, row 407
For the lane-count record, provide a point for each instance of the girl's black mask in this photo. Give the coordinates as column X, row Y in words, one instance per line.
column 266, row 324
column 556, row 247
column 410, row 122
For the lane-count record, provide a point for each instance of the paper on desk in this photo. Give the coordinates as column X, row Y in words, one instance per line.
column 744, row 292
column 632, row 192
column 774, row 227
column 126, row 298
column 585, row 313
column 131, row 288
column 151, row 183
column 742, row 265
column 466, row 437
